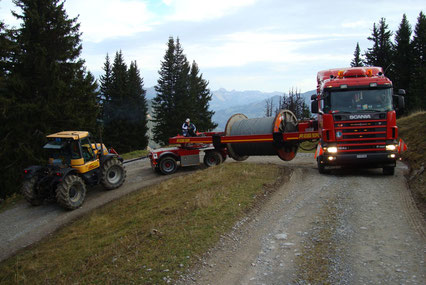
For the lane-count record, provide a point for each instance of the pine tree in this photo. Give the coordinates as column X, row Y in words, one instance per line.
column 181, row 93
column 381, row 52
column 50, row 89
column 402, row 57
column 125, row 106
column 417, row 88
column 200, row 96
column 357, row 61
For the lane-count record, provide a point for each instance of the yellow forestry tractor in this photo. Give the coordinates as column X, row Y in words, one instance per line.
column 74, row 162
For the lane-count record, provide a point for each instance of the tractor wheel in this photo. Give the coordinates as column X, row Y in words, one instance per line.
column 29, row 192
column 113, row 174
column 389, row 170
column 321, row 167
column 212, row 158
column 71, row 192
column 168, row 165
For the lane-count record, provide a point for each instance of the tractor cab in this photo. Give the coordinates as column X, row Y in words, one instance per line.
column 72, row 149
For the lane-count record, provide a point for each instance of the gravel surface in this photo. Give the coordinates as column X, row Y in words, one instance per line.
column 350, row 227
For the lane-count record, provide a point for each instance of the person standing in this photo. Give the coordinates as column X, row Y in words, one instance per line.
column 188, row 129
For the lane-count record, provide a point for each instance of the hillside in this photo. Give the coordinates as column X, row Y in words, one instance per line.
column 412, row 130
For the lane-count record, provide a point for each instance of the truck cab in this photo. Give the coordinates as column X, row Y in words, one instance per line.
column 356, row 111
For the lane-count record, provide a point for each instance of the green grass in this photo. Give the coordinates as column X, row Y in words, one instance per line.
column 135, row 154
column 412, row 129
column 149, row 236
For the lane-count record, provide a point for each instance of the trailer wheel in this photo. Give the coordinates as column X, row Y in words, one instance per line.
column 29, row 193
column 113, row 174
column 389, row 170
column 168, row 165
column 212, row 158
column 321, row 167
column 71, row 192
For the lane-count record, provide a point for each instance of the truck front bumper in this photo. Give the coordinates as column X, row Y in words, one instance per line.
column 366, row 160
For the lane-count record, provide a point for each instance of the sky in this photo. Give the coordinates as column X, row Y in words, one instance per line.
column 265, row 45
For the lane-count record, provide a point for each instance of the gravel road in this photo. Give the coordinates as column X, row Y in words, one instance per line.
column 350, row 227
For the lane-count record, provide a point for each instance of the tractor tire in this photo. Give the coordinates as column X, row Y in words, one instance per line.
column 212, row 158
column 29, row 193
column 389, row 170
column 71, row 192
column 168, row 165
column 113, row 174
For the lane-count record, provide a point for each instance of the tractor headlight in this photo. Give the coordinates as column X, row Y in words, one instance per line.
column 332, row 149
column 391, row 147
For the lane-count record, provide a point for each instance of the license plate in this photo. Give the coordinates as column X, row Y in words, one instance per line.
column 361, row 156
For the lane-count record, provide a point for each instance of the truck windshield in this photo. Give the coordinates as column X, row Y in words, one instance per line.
column 375, row 100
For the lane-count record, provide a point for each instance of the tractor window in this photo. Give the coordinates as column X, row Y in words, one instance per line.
column 59, row 151
column 86, row 147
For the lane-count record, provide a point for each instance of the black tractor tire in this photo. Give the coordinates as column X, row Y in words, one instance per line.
column 212, row 158
column 29, row 193
column 168, row 165
column 113, row 174
column 389, row 170
column 321, row 167
column 71, row 192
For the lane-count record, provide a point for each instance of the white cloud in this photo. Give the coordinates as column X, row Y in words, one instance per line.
column 199, row 10
column 102, row 19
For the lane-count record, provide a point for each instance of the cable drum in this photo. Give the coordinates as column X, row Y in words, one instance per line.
column 240, row 125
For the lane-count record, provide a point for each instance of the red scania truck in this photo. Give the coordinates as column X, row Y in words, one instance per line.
column 357, row 119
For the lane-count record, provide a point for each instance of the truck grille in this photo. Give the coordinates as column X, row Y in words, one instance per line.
column 361, row 136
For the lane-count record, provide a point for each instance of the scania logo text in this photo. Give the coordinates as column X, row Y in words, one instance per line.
column 357, row 117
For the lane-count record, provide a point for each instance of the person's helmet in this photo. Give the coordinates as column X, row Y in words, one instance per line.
column 188, row 120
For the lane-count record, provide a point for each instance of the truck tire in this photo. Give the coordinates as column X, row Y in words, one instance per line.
column 389, row 170
column 71, row 192
column 212, row 158
column 167, row 165
column 321, row 167
column 29, row 193
column 113, row 174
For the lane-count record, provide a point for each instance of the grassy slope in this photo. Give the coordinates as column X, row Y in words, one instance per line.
column 412, row 129
column 149, row 236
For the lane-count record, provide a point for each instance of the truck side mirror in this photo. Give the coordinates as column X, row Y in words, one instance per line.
column 314, row 107
column 401, row 103
column 314, row 97
column 401, row 92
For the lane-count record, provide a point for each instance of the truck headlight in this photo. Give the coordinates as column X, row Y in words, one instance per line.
column 391, row 147
column 332, row 149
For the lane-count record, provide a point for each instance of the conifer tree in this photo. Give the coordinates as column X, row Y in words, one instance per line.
column 381, row 52
column 49, row 86
column 163, row 104
column 417, row 89
column 357, row 60
column 125, row 106
column 200, row 96
column 402, row 57
column 181, row 93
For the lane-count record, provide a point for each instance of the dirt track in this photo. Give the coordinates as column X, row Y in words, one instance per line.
column 346, row 228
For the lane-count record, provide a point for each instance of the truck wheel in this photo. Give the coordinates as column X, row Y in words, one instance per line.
column 168, row 165
column 321, row 167
column 212, row 158
column 113, row 174
column 71, row 192
column 29, row 192
column 389, row 170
